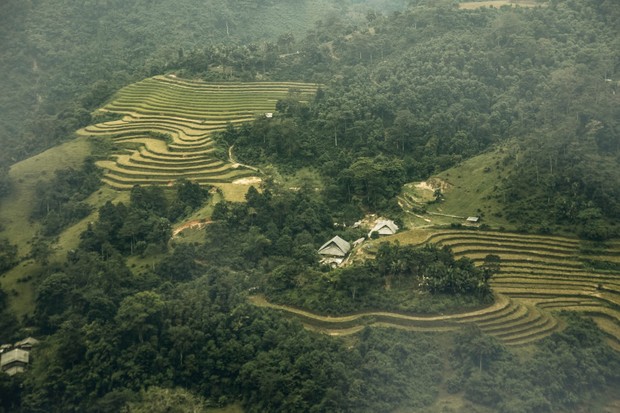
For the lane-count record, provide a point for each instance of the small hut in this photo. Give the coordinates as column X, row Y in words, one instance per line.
column 334, row 251
column 386, row 227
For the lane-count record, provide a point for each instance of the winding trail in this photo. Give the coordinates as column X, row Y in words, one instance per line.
column 236, row 164
column 491, row 320
column 499, row 303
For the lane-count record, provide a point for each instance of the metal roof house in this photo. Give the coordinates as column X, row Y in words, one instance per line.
column 27, row 343
column 386, row 227
column 14, row 361
column 473, row 220
column 334, row 251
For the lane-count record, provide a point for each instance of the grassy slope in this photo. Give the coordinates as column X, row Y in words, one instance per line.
column 468, row 189
column 16, row 209
column 20, row 230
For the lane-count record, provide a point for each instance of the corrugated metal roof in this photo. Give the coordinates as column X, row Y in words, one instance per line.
column 385, row 224
column 15, row 355
column 28, row 341
column 341, row 244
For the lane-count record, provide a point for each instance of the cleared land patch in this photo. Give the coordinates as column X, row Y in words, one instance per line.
column 166, row 130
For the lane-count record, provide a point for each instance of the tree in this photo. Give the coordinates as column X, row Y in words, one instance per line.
column 164, row 400
column 181, row 265
column 191, row 193
column 150, row 198
column 53, row 298
column 8, row 254
column 41, row 251
column 139, row 314
column 374, row 180
column 286, row 40
column 357, row 281
column 492, row 264
column 472, row 345
column 10, row 393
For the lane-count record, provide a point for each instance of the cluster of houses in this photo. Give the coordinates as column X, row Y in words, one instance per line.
column 14, row 358
column 334, row 252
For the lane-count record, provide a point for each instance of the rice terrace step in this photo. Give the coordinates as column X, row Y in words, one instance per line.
column 186, row 113
column 539, row 276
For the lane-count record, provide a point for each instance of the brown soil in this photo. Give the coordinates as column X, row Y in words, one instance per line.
column 189, row 224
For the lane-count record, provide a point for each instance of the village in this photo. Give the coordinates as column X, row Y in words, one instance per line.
column 337, row 252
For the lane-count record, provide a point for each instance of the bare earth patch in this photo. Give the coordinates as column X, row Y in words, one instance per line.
column 253, row 180
column 424, row 185
column 188, row 225
column 433, row 184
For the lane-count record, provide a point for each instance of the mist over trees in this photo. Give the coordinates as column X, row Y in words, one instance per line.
column 134, row 320
column 430, row 87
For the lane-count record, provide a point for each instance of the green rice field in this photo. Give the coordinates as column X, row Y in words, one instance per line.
column 167, row 124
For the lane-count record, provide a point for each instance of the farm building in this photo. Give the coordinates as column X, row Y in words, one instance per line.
column 473, row 220
column 14, row 361
column 386, row 227
column 15, row 358
column 27, row 343
column 334, row 251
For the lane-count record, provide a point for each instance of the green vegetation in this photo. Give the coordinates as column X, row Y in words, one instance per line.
column 552, row 379
column 16, row 209
column 507, row 114
column 60, row 201
column 143, row 227
column 426, row 280
column 8, row 255
column 550, row 272
column 165, row 133
column 468, row 189
column 63, row 59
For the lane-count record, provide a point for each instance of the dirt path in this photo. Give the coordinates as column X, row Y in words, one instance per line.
column 236, row 164
column 438, row 320
column 445, row 215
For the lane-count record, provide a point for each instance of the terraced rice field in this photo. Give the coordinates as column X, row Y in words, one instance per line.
column 539, row 276
column 546, row 273
column 166, row 131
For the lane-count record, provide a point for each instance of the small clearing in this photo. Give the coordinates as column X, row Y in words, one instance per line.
column 253, row 180
column 189, row 225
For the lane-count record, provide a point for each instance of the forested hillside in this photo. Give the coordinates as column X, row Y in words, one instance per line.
column 429, row 87
column 61, row 59
column 150, row 291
